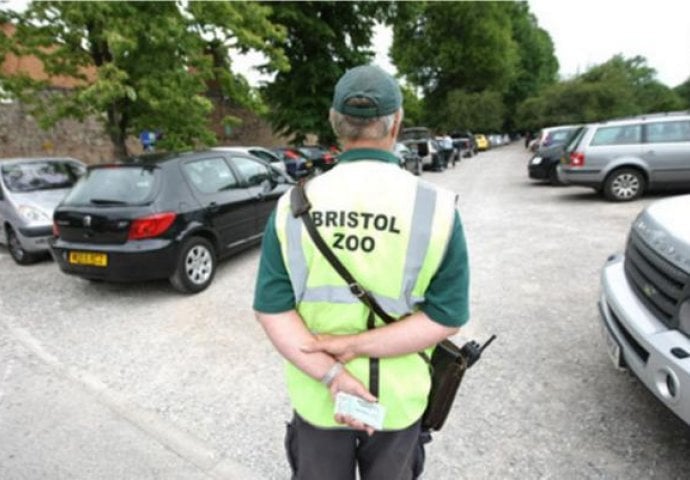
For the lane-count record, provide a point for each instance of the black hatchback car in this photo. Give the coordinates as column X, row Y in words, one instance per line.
column 164, row 216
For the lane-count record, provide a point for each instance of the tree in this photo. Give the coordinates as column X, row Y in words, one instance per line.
column 683, row 92
column 141, row 65
column 459, row 52
column 618, row 87
column 323, row 40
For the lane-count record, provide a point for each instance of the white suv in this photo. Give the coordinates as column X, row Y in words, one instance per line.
column 645, row 303
column 624, row 158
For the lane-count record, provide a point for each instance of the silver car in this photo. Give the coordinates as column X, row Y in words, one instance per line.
column 30, row 189
column 645, row 303
column 625, row 158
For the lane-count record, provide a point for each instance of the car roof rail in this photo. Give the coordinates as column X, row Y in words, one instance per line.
column 652, row 115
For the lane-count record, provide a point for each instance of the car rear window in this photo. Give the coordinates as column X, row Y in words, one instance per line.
column 118, row 185
column 618, row 135
column 33, row 176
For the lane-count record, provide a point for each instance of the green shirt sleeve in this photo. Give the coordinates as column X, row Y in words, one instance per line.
column 273, row 291
column 447, row 298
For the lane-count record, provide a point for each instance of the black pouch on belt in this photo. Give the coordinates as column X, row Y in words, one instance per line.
column 448, row 366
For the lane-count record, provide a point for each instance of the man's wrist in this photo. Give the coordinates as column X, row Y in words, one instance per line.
column 330, row 375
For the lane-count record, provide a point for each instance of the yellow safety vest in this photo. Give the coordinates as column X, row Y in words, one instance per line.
column 390, row 229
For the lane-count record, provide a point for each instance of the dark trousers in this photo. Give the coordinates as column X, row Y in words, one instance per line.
column 334, row 454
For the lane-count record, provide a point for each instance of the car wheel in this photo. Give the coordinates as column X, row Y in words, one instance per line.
column 196, row 266
column 19, row 255
column 624, row 184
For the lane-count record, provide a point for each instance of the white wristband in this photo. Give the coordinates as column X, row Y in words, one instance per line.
column 332, row 373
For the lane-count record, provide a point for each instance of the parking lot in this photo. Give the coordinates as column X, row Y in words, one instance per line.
column 115, row 381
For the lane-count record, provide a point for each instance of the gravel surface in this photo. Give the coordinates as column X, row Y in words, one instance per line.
column 115, row 381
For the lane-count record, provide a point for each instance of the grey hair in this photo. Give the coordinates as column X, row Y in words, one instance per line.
column 347, row 127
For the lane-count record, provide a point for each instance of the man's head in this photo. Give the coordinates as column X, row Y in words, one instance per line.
column 367, row 106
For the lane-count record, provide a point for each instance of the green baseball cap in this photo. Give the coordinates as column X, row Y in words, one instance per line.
column 367, row 91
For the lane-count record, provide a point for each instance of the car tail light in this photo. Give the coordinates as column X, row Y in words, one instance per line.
column 151, row 226
column 577, row 159
column 328, row 158
column 291, row 155
column 56, row 229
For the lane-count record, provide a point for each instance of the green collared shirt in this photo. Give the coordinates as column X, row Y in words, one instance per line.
column 446, row 301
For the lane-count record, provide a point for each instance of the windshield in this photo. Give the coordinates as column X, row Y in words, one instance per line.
column 115, row 185
column 40, row 175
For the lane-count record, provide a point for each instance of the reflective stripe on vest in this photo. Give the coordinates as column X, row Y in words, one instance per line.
column 414, row 227
column 422, row 218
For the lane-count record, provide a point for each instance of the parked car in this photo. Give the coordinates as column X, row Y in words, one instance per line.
column 465, row 143
column 321, row 158
column 482, row 142
column 296, row 164
column 625, row 158
column 409, row 160
column 645, row 303
column 263, row 153
column 420, row 141
column 30, row 189
column 165, row 216
column 544, row 164
column 551, row 136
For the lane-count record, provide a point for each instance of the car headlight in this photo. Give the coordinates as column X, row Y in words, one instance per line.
column 32, row 214
column 684, row 317
column 536, row 160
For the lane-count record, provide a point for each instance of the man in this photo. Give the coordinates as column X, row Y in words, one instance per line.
column 402, row 240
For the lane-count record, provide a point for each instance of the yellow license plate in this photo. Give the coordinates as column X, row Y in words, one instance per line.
column 88, row 258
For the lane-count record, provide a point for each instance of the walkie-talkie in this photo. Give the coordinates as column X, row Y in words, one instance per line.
column 472, row 350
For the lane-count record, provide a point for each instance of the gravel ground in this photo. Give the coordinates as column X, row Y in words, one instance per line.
column 136, row 381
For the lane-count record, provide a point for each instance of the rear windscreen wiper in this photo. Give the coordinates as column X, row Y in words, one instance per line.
column 107, row 201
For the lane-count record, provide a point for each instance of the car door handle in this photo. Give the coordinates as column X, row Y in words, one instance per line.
column 212, row 207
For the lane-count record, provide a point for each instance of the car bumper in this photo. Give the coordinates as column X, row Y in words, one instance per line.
column 134, row 261
column 645, row 343
column 586, row 178
column 35, row 239
column 539, row 168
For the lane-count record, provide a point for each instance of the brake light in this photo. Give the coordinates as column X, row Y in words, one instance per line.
column 151, row 226
column 577, row 159
column 328, row 158
column 56, row 229
column 291, row 155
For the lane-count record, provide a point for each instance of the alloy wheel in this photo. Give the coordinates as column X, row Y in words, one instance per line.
column 198, row 264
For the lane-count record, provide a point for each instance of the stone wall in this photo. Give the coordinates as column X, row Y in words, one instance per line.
column 20, row 135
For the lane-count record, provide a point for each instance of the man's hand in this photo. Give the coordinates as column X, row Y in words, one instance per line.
column 341, row 347
column 344, row 382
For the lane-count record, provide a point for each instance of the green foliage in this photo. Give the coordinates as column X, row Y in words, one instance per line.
column 142, row 65
column 412, row 106
column 683, row 92
column 323, row 40
column 480, row 111
column 619, row 87
column 461, row 53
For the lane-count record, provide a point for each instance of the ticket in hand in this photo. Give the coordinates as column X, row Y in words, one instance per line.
column 371, row 414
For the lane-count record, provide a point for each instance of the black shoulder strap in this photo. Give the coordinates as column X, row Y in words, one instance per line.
column 300, row 207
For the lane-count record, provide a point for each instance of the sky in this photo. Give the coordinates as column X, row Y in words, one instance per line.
column 587, row 33
column 584, row 32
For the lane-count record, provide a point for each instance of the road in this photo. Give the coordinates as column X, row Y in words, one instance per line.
column 137, row 381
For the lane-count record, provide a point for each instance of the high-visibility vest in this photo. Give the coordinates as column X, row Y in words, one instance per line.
column 390, row 229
